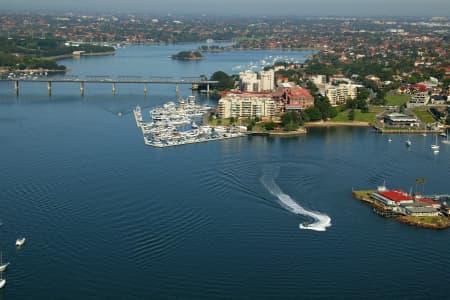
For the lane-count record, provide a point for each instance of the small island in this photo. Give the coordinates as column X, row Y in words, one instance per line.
column 415, row 210
column 188, row 55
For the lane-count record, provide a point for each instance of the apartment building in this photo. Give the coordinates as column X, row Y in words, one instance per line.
column 263, row 81
column 246, row 105
column 339, row 94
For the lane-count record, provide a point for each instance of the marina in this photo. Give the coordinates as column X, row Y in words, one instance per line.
column 176, row 124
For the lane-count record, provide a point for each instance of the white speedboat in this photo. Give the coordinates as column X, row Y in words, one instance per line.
column 408, row 143
column 20, row 242
column 3, row 266
column 2, row 280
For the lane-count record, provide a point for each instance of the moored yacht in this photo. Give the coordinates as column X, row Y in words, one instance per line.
column 435, row 146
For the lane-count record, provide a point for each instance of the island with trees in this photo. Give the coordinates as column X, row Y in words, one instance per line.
column 188, row 55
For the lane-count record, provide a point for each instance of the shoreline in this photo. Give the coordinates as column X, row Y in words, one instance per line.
column 29, row 71
column 65, row 56
column 337, row 124
column 6, row 70
column 300, row 131
column 407, row 131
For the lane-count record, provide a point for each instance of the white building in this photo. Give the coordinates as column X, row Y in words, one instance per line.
column 339, row 94
column 418, row 99
column 254, row 82
column 249, row 81
column 246, row 106
column 319, row 79
column 267, row 80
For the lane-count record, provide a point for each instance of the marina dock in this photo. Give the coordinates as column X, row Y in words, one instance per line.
column 175, row 125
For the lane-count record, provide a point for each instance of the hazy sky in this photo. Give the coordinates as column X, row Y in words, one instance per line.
column 240, row 7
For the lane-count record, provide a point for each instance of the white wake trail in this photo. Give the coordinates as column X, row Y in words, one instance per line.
column 321, row 221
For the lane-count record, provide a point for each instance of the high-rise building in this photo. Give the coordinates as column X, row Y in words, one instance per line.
column 267, row 81
column 253, row 82
column 249, row 81
column 246, row 105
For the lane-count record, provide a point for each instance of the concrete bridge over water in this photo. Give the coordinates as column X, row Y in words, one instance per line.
column 193, row 81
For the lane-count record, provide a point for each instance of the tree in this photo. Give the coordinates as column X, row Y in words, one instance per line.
column 351, row 115
column 269, row 125
column 225, row 82
column 291, row 121
column 327, row 111
column 363, row 93
column 313, row 113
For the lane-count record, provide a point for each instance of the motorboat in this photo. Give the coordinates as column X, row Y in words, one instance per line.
column 2, row 280
column 3, row 266
column 408, row 143
column 20, row 242
column 389, row 140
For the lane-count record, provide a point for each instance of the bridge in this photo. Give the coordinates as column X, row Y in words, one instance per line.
column 195, row 82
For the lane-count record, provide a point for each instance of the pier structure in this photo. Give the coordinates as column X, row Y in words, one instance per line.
column 194, row 82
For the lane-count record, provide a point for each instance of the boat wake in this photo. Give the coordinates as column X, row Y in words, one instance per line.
column 321, row 221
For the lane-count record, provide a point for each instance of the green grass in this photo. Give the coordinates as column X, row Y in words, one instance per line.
column 397, row 100
column 424, row 116
column 359, row 116
column 435, row 220
column 364, row 193
column 219, row 122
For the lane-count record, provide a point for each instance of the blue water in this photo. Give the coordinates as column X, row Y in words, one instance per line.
column 107, row 217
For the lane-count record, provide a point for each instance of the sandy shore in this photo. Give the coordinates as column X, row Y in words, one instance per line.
column 334, row 124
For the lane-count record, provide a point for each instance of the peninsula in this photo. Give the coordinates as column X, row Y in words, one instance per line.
column 417, row 210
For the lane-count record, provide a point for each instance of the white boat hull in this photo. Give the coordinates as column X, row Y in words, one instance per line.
column 3, row 267
column 20, row 242
column 2, row 283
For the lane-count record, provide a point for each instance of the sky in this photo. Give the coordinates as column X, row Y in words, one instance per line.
column 239, row 7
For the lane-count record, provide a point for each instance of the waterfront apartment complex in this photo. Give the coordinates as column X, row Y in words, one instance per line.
column 246, row 105
column 339, row 94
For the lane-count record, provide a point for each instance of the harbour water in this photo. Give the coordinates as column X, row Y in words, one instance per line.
column 107, row 217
